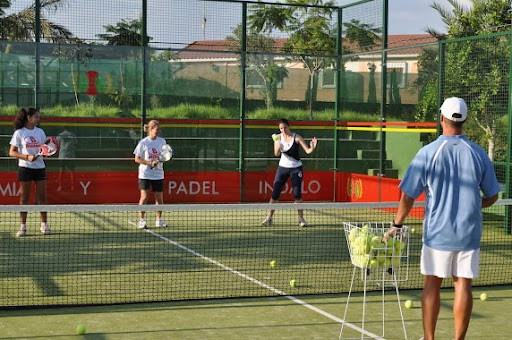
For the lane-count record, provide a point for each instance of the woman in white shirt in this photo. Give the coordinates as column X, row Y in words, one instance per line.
column 287, row 145
column 25, row 144
column 151, row 172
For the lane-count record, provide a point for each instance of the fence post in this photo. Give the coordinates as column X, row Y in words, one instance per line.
column 383, row 102
column 337, row 99
column 144, row 43
column 37, row 80
column 508, row 185
column 241, row 153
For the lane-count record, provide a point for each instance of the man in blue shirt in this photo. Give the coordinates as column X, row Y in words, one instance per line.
column 451, row 171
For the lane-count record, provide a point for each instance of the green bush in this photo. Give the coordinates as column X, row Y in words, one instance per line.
column 193, row 111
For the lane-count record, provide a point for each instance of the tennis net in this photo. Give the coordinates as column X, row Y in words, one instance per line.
column 97, row 255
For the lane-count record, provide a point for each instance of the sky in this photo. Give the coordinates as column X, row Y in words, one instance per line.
column 413, row 16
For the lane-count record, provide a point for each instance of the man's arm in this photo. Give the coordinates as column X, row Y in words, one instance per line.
column 488, row 201
column 404, row 208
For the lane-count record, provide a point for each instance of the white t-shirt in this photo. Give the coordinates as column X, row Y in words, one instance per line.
column 149, row 150
column 29, row 142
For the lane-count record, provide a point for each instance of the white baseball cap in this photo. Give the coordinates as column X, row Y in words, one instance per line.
column 455, row 109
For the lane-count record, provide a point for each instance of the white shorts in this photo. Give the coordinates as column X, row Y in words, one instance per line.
column 446, row 264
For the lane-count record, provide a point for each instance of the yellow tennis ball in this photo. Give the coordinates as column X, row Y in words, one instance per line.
column 483, row 296
column 293, row 283
column 413, row 230
column 408, row 304
column 80, row 329
column 272, row 264
column 275, row 137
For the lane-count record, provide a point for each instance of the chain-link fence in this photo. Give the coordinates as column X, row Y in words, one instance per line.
column 194, row 63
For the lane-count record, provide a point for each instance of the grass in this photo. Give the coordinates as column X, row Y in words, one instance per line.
column 193, row 111
column 100, row 258
column 97, row 258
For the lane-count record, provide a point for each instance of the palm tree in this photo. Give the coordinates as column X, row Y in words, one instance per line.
column 20, row 26
column 478, row 70
column 364, row 35
column 124, row 33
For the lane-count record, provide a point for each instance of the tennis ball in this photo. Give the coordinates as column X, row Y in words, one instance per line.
column 413, row 230
column 408, row 304
column 293, row 283
column 375, row 241
column 272, row 264
column 483, row 296
column 399, row 245
column 275, row 137
column 80, row 329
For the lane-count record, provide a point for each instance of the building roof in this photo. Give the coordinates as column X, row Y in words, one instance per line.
column 223, row 49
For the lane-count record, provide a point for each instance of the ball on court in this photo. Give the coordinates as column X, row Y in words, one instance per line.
column 293, row 283
column 272, row 264
column 80, row 329
column 483, row 296
column 408, row 304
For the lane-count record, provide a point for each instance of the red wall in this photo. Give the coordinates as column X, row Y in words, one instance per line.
column 205, row 187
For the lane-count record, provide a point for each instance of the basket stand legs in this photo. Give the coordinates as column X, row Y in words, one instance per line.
column 383, row 286
column 348, row 300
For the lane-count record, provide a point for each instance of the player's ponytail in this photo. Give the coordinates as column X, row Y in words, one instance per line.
column 21, row 118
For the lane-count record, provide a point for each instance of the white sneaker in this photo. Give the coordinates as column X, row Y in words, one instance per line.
column 267, row 222
column 45, row 228
column 21, row 232
column 141, row 224
column 160, row 223
column 302, row 222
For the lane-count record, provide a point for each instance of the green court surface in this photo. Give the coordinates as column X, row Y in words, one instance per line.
column 257, row 318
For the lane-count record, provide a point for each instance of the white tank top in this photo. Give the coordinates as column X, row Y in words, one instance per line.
column 287, row 161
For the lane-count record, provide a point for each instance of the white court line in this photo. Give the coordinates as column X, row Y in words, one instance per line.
column 262, row 284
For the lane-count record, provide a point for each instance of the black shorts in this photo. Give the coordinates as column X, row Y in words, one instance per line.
column 156, row 184
column 29, row 174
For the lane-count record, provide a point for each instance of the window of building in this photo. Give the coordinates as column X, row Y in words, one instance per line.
column 327, row 79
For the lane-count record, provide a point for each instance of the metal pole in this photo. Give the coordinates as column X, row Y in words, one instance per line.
column 337, row 100
column 241, row 155
column 37, row 34
column 144, row 44
column 440, row 77
column 383, row 102
column 508, row 184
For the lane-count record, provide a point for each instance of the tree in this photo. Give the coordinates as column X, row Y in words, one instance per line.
column 268, row 70
column 363, row 35
column 20, row 26
column 127, row 33
column 478, row 69
column 311, row 33
column 124, row 33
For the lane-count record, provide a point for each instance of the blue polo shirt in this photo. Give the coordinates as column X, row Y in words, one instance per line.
column 452, row 171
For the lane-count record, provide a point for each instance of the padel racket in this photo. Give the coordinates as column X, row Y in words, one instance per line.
column 165, row 154
column 49, row 147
